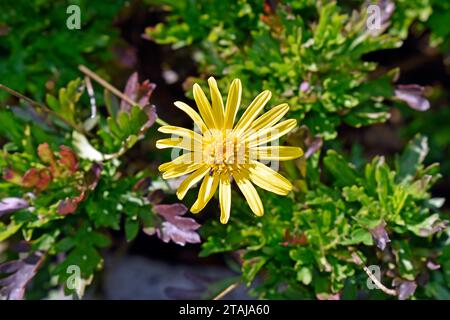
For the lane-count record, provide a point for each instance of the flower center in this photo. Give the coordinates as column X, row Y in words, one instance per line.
column 223, row 150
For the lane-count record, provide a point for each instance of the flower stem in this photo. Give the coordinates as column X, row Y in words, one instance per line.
column 113, row 89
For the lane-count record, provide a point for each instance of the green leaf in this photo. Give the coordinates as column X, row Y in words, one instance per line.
column 67, row 99
column 304, row 275
column 341, row 170
column 8, row 230
column 251, row 267
column 359, row 235
column 412, row 158
column 131, row 229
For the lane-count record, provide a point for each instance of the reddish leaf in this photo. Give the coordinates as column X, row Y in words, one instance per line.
column 9, row 205
column 20, row 273
column 179, row 229
column 35, row 178
column 295, row 239
column 12, row 176
column 413, row 95
column 30, row 178
column 69, row 206
column 68, row 159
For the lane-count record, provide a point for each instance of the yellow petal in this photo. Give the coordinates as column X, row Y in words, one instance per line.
column 192, row 114
column 206, row 192
column 253, row 110
column 178, row 142
column 204, row 107
column 180, row 170
column 233, row 103
column 191, row 180
column 268, row 179
column 271, row 117
column 182, row 132
column 186, row 158
column 281, row 153
column 250, row 194
column 225, row 198
column 217, row 102
column 270, row 134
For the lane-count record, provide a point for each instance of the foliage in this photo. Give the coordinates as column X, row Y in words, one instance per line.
column 387, row 216
column 62, row 195
column 302, row 50
column 71, row 190
column 313, row 55
column 38, row 51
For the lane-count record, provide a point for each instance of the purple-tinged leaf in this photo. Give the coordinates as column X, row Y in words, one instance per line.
column 142, row 185
column 404, row 288
column 21, row 246
column 20, row 273
column 432, row 265
column 429, row 226
column 380, row 235
column 328, row 296
column 93, row 176
column 386, row 8
column 138, row 92
column 304, row 87
column 30, row 114
column 178, row 235
column 173, row 212
column 413, row 95
column 156, row 196
column 314, row 146
column 12, row 204
column 179, row 229
column 151, row 114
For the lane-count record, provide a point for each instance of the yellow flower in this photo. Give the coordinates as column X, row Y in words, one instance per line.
column 219, row 151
